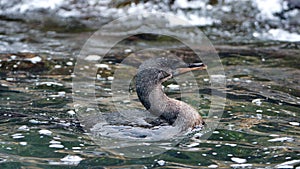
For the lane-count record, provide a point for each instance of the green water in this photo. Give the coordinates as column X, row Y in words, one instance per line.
column 262, row 134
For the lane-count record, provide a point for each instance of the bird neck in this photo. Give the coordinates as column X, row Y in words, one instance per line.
column 149, row 90
column 152, row 97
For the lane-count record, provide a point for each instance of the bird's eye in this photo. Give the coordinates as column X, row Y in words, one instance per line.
column 163, row 74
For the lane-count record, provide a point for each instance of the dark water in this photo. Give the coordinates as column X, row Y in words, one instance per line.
column 259, row 128
column 39, row 129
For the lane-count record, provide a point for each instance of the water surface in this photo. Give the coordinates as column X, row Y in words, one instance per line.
column 38, row 125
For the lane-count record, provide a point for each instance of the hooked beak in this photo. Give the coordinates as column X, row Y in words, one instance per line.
column 191, row 67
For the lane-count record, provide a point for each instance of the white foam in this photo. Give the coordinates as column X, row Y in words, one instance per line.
column 173, row 87
column 213, row 166
column 127, row 50
column 257, row 101
column 71, row 112
column 49, row 84
column 71, row 159
column 103, row 66
column 268, row 8
column 57, row 66
column 110, row 78
column 33, row 121
column 231, row 145
column 30, row 5
column 92, row 58
column 56, row 146
column 10, row 79
column 193, row 145
column 34, row 60
column 259, row 111
column 45, row 132
column 54, row 142
column 161, row 162
column 23, row 143
column 69, row 63
column 288, row 164
column 24, row 128
column 294, row 123
column 62, row 94
column 238, row 160
column 281, row 139
column 241, row 165
column 278, row 34
column 189, row 4
column 17, row 136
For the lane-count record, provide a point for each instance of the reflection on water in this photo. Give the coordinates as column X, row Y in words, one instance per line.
column 37, row 26
column 260, row 124
column 259, row 128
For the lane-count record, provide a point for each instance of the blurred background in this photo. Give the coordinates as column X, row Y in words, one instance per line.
column 257, row 41
column 224, row 21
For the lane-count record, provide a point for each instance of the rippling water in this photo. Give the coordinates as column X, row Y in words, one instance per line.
column 38, row 124
column 259, row 128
